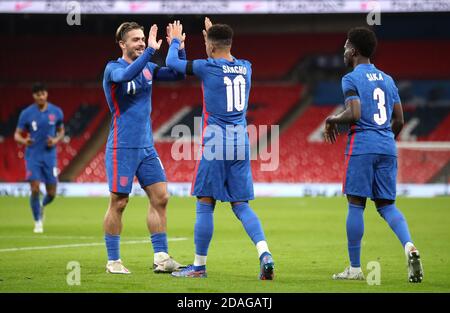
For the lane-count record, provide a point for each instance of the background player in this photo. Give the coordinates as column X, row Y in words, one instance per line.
column 374, row 113
column 221, row 179
column 42, row 122
column 127, row 84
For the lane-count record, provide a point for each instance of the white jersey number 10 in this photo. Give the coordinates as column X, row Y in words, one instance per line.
column 235, row 93
column 381, row 117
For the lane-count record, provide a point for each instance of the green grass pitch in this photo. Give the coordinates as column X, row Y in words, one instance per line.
column 306, row 236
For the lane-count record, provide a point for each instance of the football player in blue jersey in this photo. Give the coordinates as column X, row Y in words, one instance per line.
column 130, row 152
column 223, row 171
column 374, row 114
column 43, row 123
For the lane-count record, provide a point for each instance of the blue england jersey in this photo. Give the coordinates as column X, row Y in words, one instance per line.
column 222, row 174
column 377, row 93
column 40, row 125
column 128, row 90
column 226, row 89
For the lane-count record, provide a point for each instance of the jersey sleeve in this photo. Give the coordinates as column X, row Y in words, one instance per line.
column 22, row 123
column 199, row 67
column 164, row 73
column 60, row 119
column 123, row 74
column 249, row 66
column 395, row 94
column 174, row 61
column 349, row 89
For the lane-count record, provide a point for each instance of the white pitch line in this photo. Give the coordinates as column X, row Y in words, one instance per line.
column 47, row 237
column 77, row 245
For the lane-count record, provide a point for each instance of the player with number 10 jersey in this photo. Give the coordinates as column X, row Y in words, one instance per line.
column 223, row 171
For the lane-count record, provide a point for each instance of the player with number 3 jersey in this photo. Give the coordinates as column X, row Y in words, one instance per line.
column 374, row 114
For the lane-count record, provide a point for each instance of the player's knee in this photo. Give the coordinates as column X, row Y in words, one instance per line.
column 35, row 189
column 120, row 204
column 160, row 202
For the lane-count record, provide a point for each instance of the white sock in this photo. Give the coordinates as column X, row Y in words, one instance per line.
column 200, row 260
column 408, row 247
column 262, row 247
column 159, row 257
column 355, row 270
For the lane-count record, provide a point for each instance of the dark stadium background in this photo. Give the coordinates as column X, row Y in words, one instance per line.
column 297, row 66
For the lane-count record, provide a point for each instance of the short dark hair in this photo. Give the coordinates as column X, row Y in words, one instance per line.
column 364, row 40
column 221, row 35
column 124, row 28
column 38, row 86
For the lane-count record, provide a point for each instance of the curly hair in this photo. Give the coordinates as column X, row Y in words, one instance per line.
column 364, row 40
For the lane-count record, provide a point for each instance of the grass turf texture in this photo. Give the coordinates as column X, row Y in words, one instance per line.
column 306, row 236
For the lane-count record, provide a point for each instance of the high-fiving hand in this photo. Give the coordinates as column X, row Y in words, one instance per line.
column 170, row 33
column 208, row 24
column 152, row 41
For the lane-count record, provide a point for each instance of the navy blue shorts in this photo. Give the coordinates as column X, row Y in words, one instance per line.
column 42, row 170
column 122, row 164
column 371, row 176
column 224, row 180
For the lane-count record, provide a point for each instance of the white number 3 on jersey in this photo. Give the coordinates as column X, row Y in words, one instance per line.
column 381, row 117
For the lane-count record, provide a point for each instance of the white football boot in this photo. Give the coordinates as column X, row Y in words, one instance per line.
column 38, row 227
column 348, row 274
column 163, row 263
column 116, row 267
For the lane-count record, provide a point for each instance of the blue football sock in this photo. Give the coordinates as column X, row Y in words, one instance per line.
column 159, row 242
column 112, row 246
column 204, row 227
column 200, row 268
column 355, row 232
column 35, row 206
column 397, row 222
column 250, row 221
column 47, row 199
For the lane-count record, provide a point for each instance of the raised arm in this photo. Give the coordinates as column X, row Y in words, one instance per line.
column 176, row 38
column 120, row 75
column 167, row 73
column 173, row 60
